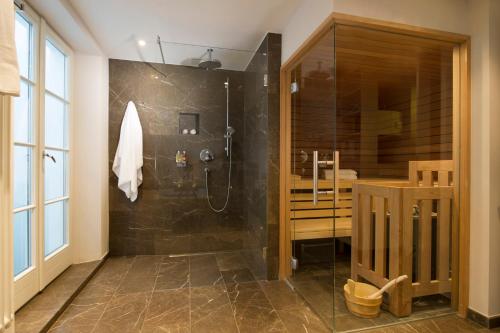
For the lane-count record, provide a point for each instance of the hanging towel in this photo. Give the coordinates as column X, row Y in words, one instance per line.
column 9, row 70
column 127, row 165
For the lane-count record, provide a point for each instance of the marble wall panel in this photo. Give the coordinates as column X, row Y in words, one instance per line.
column 171, row 214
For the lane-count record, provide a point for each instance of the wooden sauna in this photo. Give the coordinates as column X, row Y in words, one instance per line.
column 371, row 145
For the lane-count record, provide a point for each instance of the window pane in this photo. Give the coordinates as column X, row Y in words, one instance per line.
column 23, row 45
column 55, row 122
column 22, row 176
column 55, row 70
column 23, row 115
column 55, row 226
column 55, row 175
column 22, row 241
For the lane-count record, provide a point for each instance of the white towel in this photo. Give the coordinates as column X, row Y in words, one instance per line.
column 9, row 70
column 348, row 174
column 127, row 165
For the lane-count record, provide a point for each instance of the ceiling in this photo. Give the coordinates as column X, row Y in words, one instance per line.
column 117, row 25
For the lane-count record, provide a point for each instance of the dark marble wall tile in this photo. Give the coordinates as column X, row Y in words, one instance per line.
column 261, row 171
column 171, row 214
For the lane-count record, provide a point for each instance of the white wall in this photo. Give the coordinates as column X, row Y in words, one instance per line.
column 471, row 17
column 307, row 17
column 480, row 155
column 90, row 158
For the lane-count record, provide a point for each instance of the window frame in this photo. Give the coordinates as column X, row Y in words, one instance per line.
column 33, row 83
column 49, row 35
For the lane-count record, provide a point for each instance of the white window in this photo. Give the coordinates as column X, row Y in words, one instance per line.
column 24, row 146
column 56, row 148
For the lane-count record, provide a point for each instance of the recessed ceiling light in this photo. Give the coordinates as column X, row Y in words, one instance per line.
column 141, row 42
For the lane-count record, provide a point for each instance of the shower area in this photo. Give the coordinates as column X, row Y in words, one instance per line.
column 210, row 121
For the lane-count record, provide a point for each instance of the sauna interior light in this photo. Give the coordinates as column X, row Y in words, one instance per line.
column 141, row 42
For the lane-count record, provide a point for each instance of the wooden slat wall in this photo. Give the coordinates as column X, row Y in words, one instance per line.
column 377, row 75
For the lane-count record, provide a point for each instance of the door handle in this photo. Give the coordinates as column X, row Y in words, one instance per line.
column 315, row 177
column 316, row 163
column 50, row 156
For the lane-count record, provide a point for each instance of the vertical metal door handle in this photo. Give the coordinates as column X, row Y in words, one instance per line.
column 315, row 177
column 316, row 163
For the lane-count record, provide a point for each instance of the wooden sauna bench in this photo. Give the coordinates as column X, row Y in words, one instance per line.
column 313, row 222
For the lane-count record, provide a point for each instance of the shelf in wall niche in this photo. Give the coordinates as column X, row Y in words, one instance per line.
column 189, row 121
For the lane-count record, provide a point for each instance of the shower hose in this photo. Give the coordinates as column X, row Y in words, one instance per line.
column 228, row 182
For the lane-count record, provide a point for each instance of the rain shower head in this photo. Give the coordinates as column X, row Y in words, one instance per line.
column 210, row 63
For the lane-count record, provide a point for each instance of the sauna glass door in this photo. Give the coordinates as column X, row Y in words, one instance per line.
column 396, row 127
column 313, row 180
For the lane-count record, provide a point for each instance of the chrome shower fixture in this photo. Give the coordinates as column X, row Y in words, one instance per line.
column 229, row 132
column 206, row 155
column 210, row 63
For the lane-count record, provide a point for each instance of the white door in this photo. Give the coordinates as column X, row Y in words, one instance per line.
column 54, row 127
column 40, row 158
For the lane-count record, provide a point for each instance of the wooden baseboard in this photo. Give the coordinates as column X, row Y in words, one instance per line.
column 488, row 322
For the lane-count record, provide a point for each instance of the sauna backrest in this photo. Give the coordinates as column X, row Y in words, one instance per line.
column 422, row 173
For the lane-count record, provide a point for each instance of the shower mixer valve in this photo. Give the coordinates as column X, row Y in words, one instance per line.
column 206, row 155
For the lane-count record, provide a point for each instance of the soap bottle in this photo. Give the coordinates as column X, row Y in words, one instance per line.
column 178, row 158
column 184, row 158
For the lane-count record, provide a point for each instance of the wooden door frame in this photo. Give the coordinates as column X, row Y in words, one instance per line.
column 461, row 139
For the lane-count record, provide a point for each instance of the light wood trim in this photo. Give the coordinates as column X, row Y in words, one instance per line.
column 432, row 287
column 461, row 139
column 425, row 241
column 464, row 179
column 358, row 21
column 455, row 228
column 380, row 234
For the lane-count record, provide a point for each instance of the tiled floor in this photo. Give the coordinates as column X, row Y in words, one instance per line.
column 38, row 314
column 314, row 283
column 209, row 293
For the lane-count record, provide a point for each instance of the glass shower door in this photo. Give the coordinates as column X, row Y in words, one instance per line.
column 314, row 177
column 396, row 125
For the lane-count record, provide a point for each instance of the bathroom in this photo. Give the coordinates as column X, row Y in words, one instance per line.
column 248, row 166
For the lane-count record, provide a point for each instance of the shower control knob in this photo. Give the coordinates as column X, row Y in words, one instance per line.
column 206, row 155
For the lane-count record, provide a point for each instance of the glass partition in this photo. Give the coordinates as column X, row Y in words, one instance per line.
column 373, row 178
column 394, row 106
column 315, row 230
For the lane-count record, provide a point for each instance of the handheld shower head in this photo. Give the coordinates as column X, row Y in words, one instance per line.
column 229, row 132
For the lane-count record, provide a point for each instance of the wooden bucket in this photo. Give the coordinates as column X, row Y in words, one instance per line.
column 358, row 303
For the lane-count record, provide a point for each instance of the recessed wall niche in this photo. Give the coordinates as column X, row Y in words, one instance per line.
column 189, row 123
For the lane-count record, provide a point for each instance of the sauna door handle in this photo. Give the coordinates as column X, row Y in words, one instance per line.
column 316, row 163
column 315, row 177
